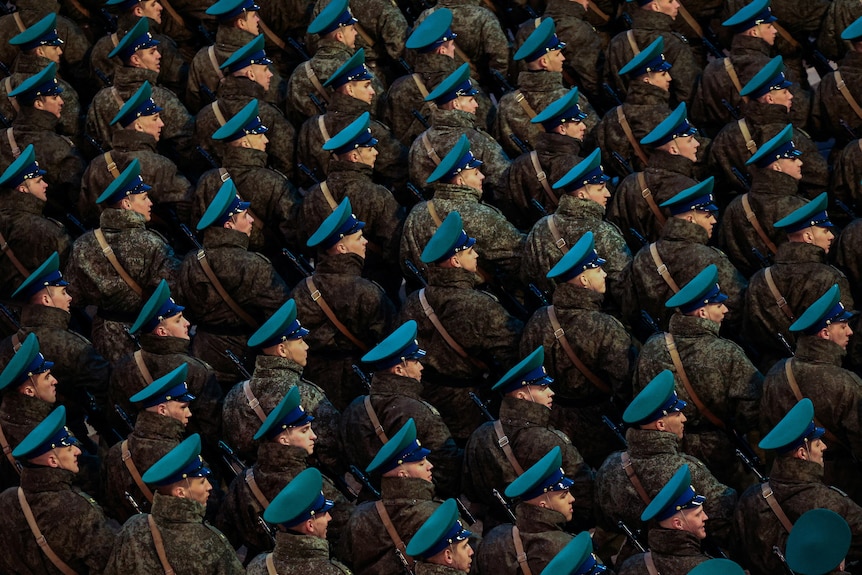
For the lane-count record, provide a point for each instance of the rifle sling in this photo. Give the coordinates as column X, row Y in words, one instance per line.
column 598, row 11
column 321, row 123
column 782, row 31
column 133, row 470
column 40, row 539
column 214, row 61
column 160, row 546
column 525, row 105
column 231, row 303
column 780, row 300
column 503, row 442
column 218, row 114
column 842, row 87
column 432, row 209
column 750, row 145
column 7, row 451
column 797, row 393
column 7, row 85
column 520, row 554
column 650, row 564
column 142, row 367
column 559, row 241
column 689, row 19
column 318, row 87
column 627, row 129
column 752, row 219
column 327, row 194
column 686, row 382
column 769, row 497
column 560, row 335
column 630, row 36
column 255, row 490
column 646, row 194
column 317, row 298
column 626, row 460
column 429, row 149
column 543, row 179
column 734, row 77
column 661, row 268
column 450, row 341
column 111, row 165
column 375, row 421
column 10, row 137
column 108, row 252
column 271, row 35
column 253, row 402
column 393, row 534
column 7, row 250
column 270, row 565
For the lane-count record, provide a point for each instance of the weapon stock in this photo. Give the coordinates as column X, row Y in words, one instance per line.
column 525, row 149
column 616, row 429
column 422, row 119
column 302, row 266
column 237, row 363
column 366, row 380
column 540, row 295
column 505, row 504
column 321, row 107
column 630, row 535
column 750, row 466
column 191, row 236
column 229, row 456
column 125, row 417
column 411, row 267
column 482, row 407
column 365, row 481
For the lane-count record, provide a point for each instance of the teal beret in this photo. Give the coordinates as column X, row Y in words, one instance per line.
column 676, row 125
column 581, row 257
column 650, row 59
column 25, row 167
column 340, row 223
column 128, row 183
column 779, row 146
column 770, row 77
column 458, row 159
column 225, row 204
column 717, row 567
column 696, row 197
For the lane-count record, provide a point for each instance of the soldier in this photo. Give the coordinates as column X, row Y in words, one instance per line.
column 577, row 557
column 377, row 530
column 680, row 519
column 825, row 531
column 393, row 398
column 846, row 184
column 141, row 129
column 795, row 486
column 229, row 290
column 247, row 78
column 454, row 114
column 114, row 266
column 286, row 440
column 647, row 99
column 301, row 509
column 834, row 104
column 347, row 314
column 543, row 509
column 746, row 233
column 441, row 546
column 672, row 149
column 173, row 536
column 839, row 16
column 73, row 534
column 591, row 373
column 524, row 423
column 159, row 427
column 816, row 372
column 21, row 222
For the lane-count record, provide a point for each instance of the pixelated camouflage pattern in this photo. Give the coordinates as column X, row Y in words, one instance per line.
column 75, row 45
column 839, row 15
column 674, row 553
column 296, row 554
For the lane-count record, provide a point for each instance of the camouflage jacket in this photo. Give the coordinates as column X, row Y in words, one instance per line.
column 75, row 44
column 19, row 414
column 153, row 437
column 674, row 553
column 191, row 546
column 71, row 520
column 539, row 89
column 846, row 177
column 839, row 15
column 773, row 195
column 843, row 253
column 296, row 554
column 830, row 112
column 31, row 237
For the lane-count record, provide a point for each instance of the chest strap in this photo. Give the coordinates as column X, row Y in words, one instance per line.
column 323, row 131
column 318, row 87
column 503, row 442
column 212, row 56
column 7, row 85
column 7, row 451
column 646, row 194
column 117, row 98
column 218, row 114
column 842, row 87
column 133, row 470
column 255, row 490
column 231, row 303
column 780, row 300
column 797, row 393
column 750, row 145
column 7, row 250
column 160, row 546
column 142, row 367
column 626, row 460
column 559, row 241
column 627, row 130
column 543, row 179
column 253, row 402
column 393, row 534
column 560, row 335
column 650, row 564
column 429, row 149
column 111, row 165
column 734, row 77
column 598, row 11
column 375, row 421
column 782, row 31
column 270, row 565
column 752, row 219
column 327, row 194
column 520, row 554
column 10, row 137
column 18, row 22
column 686, row 382
column 450, row 341
column 630, row 36
column 108, row 252
column 271, row 35
column 317, row 298
column 525, row 105
column 417, row 78
column 432, row 209
column 661, row 268
column 40, row 539
column 769, row 497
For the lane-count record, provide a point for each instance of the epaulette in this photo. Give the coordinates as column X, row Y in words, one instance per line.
column 841, row 493
column 57, row 222
column 263, row 257
column 489, row 294
column 68, row 140
column 430, row 407
column 158, row 235
column 681, row 37
column 562, row 436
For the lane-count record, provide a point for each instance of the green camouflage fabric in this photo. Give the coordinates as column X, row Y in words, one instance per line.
column 574, row 217
column 251, row 282
column 296, row 554
column 153, row 437
column 191, row 546
column 844, row 252
column 364, row 309
column 682, row 246
column 422, row 568
column 531, row 436
column 234, row 93
column 665, row 175
column 846, row 178
column 19, row 414
column 542, row 535
column 409, row 503
column 447, row 126
column 93, row 280
column 31, row 236
column 483, row 329
column 797, row 487
column 610, row 352
column 773, row 195
column 836, row 393
column 203, row 73
column 839, row 15
column 673, row 552
column 277, row 465
column 396, row 399
column 831, row 115
column 71, row 521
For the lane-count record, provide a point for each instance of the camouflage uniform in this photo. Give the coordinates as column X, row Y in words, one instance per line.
column 798, row 487
column 191, row 546
column 480, row 325
column 251, row 282
column 846, row 178
column 610, row 352
column 72, row 522
column 287, row 19
column 527, row 425
column 772, row 196
column 296, row 554
column 830, row 112
column 234, row 93
column 276, row 466
column 844, row 253
column 360, row 305
column 674, row 553
column 19, row 414
column 839, row 15
column 396, row 399
column 409, row 503
column 153, row 437
column 93, row 280
column 541, row 532
column 22, row 222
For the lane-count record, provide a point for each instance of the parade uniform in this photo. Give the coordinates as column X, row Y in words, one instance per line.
column 297, row 555
column 329, row 57
column 839, row 15
column 831, row 114
column 539, row 89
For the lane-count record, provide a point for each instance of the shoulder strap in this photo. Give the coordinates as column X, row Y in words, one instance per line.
column 646, row 194
column 560, row 335
column 689, row 19
column 627, row 129
column 271, row 35
column 318, row 87
column 7, row 451
column 769, row 497
column 375, row 421
column 115, row 40
column 420, row 84
column 752, row 219
column 253, row 402
column 559, row 241
column 630, row 36
column 174, row 14
column 750, row 145
column 160, row 545
column 429, row 149
column 18, row 22
column 120, row 102
column 450, row 341
column 317, row 298
column 686, row 382
column 133, row 471
column 218, row 114
column 7, row 250
column 214, row 61
column 779, row 299
column 543, row 178
column 231, row 303
column 432, row 209
column 327, row 194
column 465, row 59
column 223, row 175
column 650, row 564
column 365, row 35
column 10, row 137
column 842, row 87
column 252, row 484
column 503, row 442
column 661, row 268
column 734, row 77
column 626, row 460
column 40, row 539
column 525, row 105
column 108, row 252
column 797, row 393
column 270, row 565
column 393, row 534
column 111, row 165
column 782, row 31
column 7, row 85
column 321, row 123
column 520, row 554
column 598, row 11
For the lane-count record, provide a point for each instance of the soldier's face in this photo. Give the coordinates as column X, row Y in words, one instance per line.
column 839, row 333
column 52, row 53
column 766, row 32
column 594, row 279
column 59, row 297
column 466, row 104
column 782, row 97
column 67, row 457
column 598, row 193
column 418, row 469
column 52, row 104
column 813, row 451
column 250, row 22
column 560, row 501
column 148, row 59
column 410, row 368
column 704, row 219
column 659, row 79
column 297, row 350
column 149, row 8
column 685, row 146
column 367, row 155
column 175, row 326
column 302, row 437
column 353, row 244
column 553, row 61
column 669, row 7
column 461, row 556
column 241, row 222
column 361, row 90
column 790, row 166
column 178, row 410
column 715, row 312
column 348, row 35
column 468, row 259
column 447, row 48
column 574, row 130
column 151, row 125
column 198, row 489
column 471, row 178
column 694, row 521
column 140, row 203
column 320, row 523
column 674, row 423
column 36, row 187
column 261, row 74
column 821, row 237
column 255, row 141
column 41, row 386
column 541, row 394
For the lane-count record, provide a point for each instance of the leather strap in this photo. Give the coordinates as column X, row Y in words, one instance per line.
column 317, row 298
column 450, row 341
column 421, row 85
column 630, row 36
column 255, row 490
column 797, row 393
column 626, row 460
column 108, row 252
column 119, row 100
column 646, row 194
column 543, row 178
column 432, row 209
column 133, row 470
column 142, row 367
column 7, row 451
column 18, row 22
column 271, row 35
column 750, row 145
column 80, row 8
column 525, row 105
column 503, row 442
column 318, row 87
column 364, row 35
column 650, row 564
column 211, row 55
column 16, row 339
column 323, row 131
column 327, row 194
column 734, row 77
column 752, row 219
column 686, row 382
column 160, row 546
column 270, row 565
column 7, row 85
column 779, row 299
column 375, row 421
column 253, row 402
column 842, row 87
column 40, row 539
column 598, row 11
column 661, row 268
column 689, row 19
column 7, row 250
column 782, row 31
column 115, row 40
column 520, row 554
column 769, row 497
column 429, row 149
column 559, row 240
column 218, row 114
column 10, row 137
column 174, row 14
column 111, row 165
column 560, row 335
column 393, row 534
column 223, row 175
column 231, row 303
column 627, row 129
column 465, row 59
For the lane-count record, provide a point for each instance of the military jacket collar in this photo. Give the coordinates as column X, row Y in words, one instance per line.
column 523, row 413
column 641, row 93
column 291, row 546
column 273, row 457
column 651, row 20
column 15, row 201
column 772, row 183
column 423, row 568
column 812, row 349
column 680, row 230
column 409, row 488
column 39, row 479
column 540, row 81
column 177, row 509
column 444, row 191
column 344, row 104
column 244, row 158
column 44, row 316
column 150, row 425
column 434, row 64
column 30, row 119
column 30, row 64
column 578, row 208
column 451, row 277
column 163, row 345
column 690, row 326
column 330, row 49
column 565, row 9
column 340, row 264
column 40, row 7
column 535, row 519
column 21, row 408
column 568, row 296
column 799, row 252
column 119, row 219
column 358, row 169
column 273, row 366
column 673, row 542
column 761, row 114
column 850, row 60
column 644, row 443
column 232, row 39
column 216, row 237
column 239, row 88
column 128, row 79
column 132, row 140
column 452, row 119
column 553, row 144
column 384, row 383
column 791, row 470
column 742, row 44
column 660, row 160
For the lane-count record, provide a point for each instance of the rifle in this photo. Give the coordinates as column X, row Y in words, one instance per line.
column 208, row 157
column 229, row 456
column 507, row 87
column 415, row 191
column 624, row 164
column 750, row 466
column 191, row 236
column 206, row 35
column 540, row 295
column 301, row 265
column 101, row 76
column 366, row 380
column 612, row 93
column 237, row 363
column 639, row 236
column 125, row 417
column 482, row 407
column 616, row 429
column 5, row 69
column 743, row 449
column 308, row 172
column 321, row 107
column 734, row 111
column 785, row 343
column 848, row 129
column 98, row 420
column 366, row 483
column 208, row 93
column 742, row 179
column 505, row 504
column 135, row 505
column 649, row 322
column 538, row 207
column 422, row 119
column 465, row 513
column 525, row 149
column 777, row 552
column 10, row 317
column 406, row 66
column 845, row 208
column 299, row 48
column 5, row 121
column 764, row 261
column 711, row 47
column 630, row 535
column 411, row 267
column 76, row 223
column 92, row 141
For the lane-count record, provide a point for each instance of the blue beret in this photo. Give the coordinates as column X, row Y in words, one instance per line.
column 674, row 126
column 158, row 308
column 587, row 171
column 458, row 159
column 581, row 257
column 398, row 346
column 225, row 205
column 251, row 53
column 749, row 16
column 655, row 401
column 650, row 59
column 449, row 239
column 340, row 223
column 794, row 429
column 700, row 291
column 697, row 197
column 357, row 134
column 562, row 110
column 542, row 40
column 181, row 462
column 288, row 413
column 546, row 475
column 47, row 274
column 170, row 387
column 826, row 310
column 354, row 70
column 25, row 167
column 243, row 123
column 576, row 558
column 43, row 83
column 26, row 363
column 770, row 77
column 226, row 10
column 334, row 15
column 140, row 104
column 454, row 85
column 528, row 371
column 282, row 326
column 442, row 529
column 812, row 213
column 51, row 433
column 300, row 500
column 818, row 543
column 128, row 183
column 403, row 447
column 676, row 495
column 432, row 32
column 138, row 38
column 42, row 33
